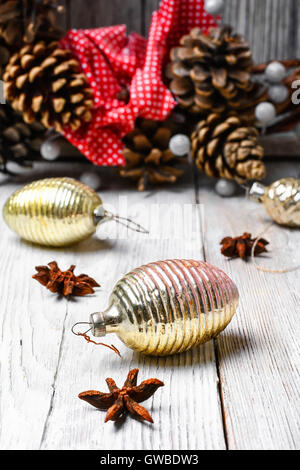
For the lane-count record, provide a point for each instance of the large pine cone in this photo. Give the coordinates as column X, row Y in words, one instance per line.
column 148, row 158
column 44, row 82
column 19, row 142
column 211, row 72
column 22, row 21
column 226, row 148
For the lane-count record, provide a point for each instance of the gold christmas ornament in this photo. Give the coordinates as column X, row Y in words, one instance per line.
column 281, row 200
column 58, row 212
column 168, row 307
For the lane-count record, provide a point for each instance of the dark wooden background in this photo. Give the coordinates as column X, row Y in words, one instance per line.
column 271, row 26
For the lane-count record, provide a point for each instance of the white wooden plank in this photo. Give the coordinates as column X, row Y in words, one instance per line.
column 259, row 351
column 43, row 411
column 31, row 335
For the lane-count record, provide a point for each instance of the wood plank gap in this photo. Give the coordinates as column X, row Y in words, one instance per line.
column 143, row 17
column 68, row 14
column 195, row 174
column 220, row 392
column 215, row 341
column 293, row 27
column 61, row 344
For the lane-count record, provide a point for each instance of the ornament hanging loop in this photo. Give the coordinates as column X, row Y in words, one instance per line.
column 102, row 215
column 80, row 323
column 128, row 223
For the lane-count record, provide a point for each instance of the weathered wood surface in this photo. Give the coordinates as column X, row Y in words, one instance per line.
column 256, row 359
column 259, row 352
column 94, row 13
column 44, row 366
column 271, row 26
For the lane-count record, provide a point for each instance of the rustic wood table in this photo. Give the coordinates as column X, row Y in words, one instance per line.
column 240, row 391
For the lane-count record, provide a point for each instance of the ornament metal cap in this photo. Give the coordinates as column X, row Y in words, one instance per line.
column 98, row 324
column 257, row 191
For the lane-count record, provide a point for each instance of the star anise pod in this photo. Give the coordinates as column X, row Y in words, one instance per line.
column 241, row 247
column 64, row 282
column 121, row 401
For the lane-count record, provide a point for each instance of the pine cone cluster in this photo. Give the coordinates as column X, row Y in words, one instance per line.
column 149, row 161
column 225, row 147
column 18, row 140
column 44, row 82
column 211, row 73
column 22, row 21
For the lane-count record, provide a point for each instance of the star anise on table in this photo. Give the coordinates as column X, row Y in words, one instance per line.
column 241, row 247
column 121, row 401
column 64, row 282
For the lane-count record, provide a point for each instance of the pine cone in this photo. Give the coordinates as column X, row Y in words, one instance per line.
column 148, row 158
column 44, row 82
column 18, row 140
column 25, row 21
column 227, row 148
column 211, row 73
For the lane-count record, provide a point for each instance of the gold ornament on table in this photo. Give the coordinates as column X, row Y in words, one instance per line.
column 227, row 147
column 167, row 307
column 58, row 212
column 281, row 200
column 44, row 82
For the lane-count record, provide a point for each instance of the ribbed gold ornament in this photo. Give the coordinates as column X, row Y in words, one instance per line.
column 167, row 307
column 53, row 211
column 281, row 200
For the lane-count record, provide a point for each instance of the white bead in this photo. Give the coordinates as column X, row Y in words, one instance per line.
column 265, row 112
column 275, row 72
column 278, row 93
column 225, row 188
column 50, row 149
column 91, row 179
column 180, row 145
column 214, row 7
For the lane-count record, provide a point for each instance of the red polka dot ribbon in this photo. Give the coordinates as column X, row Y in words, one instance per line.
column 111, row 60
